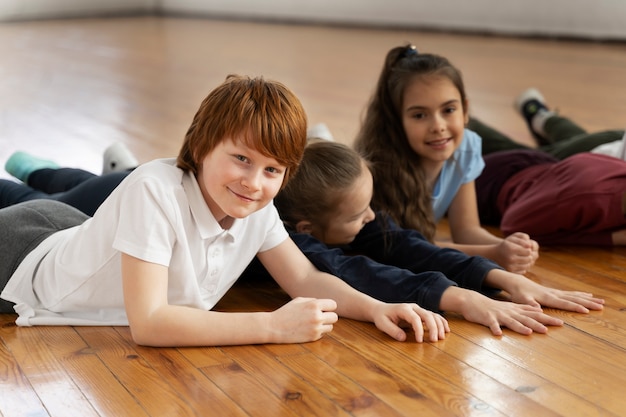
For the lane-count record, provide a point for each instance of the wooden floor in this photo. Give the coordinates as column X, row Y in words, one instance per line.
column 70, row 88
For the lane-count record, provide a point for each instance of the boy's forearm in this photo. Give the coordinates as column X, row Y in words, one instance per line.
column 185, row 326
column 351, row 303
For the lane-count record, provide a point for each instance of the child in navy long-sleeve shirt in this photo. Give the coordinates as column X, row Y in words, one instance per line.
column 326, row 208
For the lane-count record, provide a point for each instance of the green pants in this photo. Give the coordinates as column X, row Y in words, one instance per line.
column 566, row 137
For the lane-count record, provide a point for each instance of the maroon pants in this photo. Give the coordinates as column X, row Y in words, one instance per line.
column 574, row 201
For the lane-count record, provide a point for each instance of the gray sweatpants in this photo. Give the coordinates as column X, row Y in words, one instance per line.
column 23, row 227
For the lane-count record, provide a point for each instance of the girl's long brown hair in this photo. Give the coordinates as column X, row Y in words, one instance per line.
column 400, row 187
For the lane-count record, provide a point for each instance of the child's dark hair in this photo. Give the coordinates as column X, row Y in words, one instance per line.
column 400, row 187
column 327, row 170
column 266, row 115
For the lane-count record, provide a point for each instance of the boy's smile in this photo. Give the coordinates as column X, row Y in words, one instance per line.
column 237, row 180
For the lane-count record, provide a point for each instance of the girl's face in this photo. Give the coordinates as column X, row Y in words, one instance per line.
column 434, row 118
column 237, row 180
column 352, row 213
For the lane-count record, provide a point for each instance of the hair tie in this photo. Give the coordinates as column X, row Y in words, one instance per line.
column 410, row 51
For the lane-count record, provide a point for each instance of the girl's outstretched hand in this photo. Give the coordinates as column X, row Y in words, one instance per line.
column 517, row 253
column 388, row 318
column 302, row 320
column 494, row 314
column 534, row 294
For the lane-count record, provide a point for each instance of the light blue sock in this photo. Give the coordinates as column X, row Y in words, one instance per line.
column 21, row 165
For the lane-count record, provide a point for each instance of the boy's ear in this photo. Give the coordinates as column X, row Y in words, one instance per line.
column 304, row 226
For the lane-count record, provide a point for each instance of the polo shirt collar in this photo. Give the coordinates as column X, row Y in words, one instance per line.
column 208, row 226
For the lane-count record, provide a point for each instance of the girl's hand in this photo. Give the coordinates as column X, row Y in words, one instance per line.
column 534, row 294
column 388, row 318
column 520, row 318
column 517, row 253
column 302, row 320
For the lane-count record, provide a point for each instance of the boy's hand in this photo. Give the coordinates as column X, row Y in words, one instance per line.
column 302, row 320
column 388, row 318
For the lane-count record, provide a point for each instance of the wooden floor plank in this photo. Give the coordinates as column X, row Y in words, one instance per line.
column 560, row 364
column 18, row 396
column 41, row 354
column 139, row 377
column 188, row 383
column 350, row 382
column 247, row 392
column 610, row 263
column 421, row 369
column 303, row 398
column 540, row 390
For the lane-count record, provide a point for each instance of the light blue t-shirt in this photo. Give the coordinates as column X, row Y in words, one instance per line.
column 464, row 166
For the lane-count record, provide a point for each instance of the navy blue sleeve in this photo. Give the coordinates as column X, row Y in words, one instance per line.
column 384, row 241
column 383, row 282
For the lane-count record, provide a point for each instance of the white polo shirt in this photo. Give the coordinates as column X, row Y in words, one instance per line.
column 156, row 214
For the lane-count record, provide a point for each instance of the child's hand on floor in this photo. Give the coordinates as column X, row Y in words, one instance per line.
column 534, row 294
column 517, row 253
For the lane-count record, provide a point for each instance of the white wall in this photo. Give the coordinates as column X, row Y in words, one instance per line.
column 584, row 18
column 594, row 19
column 40, row 9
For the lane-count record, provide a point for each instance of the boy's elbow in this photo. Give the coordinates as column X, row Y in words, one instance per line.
column 141, row 338
column 145, row 336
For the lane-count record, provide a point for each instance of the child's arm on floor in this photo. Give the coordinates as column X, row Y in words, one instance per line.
column 154, row 322
column 517, row 253
column 299, row 278
column 525, row 291
column 494, row 314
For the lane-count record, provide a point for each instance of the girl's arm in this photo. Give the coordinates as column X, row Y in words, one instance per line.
column 299, row 278
column 522, row 315
column 465, row 227
column 494, row 314
column 516, row 253
column 525, row 291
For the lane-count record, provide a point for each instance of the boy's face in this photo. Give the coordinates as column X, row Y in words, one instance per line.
column 237, row 180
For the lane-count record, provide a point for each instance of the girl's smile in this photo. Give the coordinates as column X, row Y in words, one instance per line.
column 440, row 144
column 433, row 117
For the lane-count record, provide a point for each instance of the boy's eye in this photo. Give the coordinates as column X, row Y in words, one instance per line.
column 241, row 158
column 273, row 170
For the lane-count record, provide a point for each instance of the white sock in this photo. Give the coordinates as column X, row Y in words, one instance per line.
column 616, row 149
column 319, row 131
column 539, row 121
column 117, row 157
